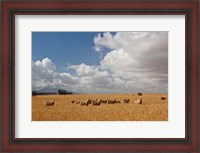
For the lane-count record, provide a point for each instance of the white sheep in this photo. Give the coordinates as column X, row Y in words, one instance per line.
column 86, row 102
column 50, row 103
column 138, row 101
column 126, row 100
column 97, row 102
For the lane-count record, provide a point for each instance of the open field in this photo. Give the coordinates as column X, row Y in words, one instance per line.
column 152, row 108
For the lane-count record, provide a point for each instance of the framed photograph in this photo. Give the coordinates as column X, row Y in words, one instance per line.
column 99, row 76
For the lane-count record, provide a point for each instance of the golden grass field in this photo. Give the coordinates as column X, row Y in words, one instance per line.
column 152, row 108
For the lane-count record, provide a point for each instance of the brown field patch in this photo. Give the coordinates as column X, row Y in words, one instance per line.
column 152, row 109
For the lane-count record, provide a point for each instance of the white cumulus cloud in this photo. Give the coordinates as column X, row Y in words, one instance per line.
column 140, row 58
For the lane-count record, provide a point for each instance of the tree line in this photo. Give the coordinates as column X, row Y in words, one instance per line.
column 59, row 92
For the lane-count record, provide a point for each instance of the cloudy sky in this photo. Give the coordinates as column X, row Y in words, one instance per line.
column 100, row 62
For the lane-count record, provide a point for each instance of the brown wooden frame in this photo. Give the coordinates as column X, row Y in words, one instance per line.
column 10, row 8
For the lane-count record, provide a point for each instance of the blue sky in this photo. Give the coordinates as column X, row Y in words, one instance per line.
column 100, row 62
column 64, row 47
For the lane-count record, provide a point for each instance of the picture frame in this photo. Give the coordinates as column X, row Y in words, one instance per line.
column 10, row 8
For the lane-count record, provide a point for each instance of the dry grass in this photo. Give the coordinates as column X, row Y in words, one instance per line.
column 152, row 109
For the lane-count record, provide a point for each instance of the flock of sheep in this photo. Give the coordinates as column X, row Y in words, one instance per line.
column 98, row 102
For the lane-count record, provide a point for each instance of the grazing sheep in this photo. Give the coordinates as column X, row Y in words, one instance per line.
column 50, row 103
column 138, row 101
column 126, row 100
column 117, row 101
column 108, row 101
column 100, row 100
column 97, row 102
column 89, row 101
column 104, row 101
column 163, row 98
column 111, row 101
column 77, row 102
column 86, row 102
